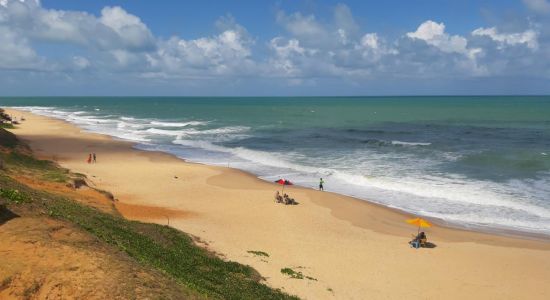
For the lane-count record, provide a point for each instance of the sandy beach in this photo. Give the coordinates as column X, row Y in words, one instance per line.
column 349, row 248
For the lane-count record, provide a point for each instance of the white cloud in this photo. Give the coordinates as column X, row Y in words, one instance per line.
column 284, row 62
column 528, row 37
column 540, row 6
column 373, row 48
column 132, row 32
column 434, row 34
column 15, row 52
column 225, row 53
column 114, row 29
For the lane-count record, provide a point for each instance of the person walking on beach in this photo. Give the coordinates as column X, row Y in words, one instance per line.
column 321, row 181
column 93, row 155
column 90, row 158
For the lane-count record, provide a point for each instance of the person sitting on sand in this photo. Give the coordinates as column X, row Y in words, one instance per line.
column 278, row 197
column 288, row 200
column 419, row 241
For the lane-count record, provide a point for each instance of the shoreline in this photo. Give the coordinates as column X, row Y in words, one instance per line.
column 332, row 221
column 472, row 228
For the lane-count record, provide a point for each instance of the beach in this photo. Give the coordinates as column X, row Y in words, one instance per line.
column 346, row 248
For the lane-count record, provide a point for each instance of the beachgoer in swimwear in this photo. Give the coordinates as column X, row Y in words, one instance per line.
column 321, row 181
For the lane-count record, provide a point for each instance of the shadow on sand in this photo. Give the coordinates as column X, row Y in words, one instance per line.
column 6, row 215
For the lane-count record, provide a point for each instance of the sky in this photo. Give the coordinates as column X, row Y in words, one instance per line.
column 274, row 48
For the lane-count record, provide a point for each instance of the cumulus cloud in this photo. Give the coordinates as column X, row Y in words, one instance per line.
column 434, row 34
column 132, row 32
column 225, row 53
column 114, row 29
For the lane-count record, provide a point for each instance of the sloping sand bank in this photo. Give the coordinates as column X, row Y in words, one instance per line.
column 349, row 248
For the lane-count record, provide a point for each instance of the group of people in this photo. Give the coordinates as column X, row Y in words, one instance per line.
column 92, row 158
column 285, row 199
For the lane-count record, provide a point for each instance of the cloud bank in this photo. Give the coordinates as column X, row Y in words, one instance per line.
column 307, row 51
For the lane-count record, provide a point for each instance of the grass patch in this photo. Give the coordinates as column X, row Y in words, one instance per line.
column 258, row 253
column 27, row 161
column 14, row 196
column 7, row 139
column 6, row 126
column 292, row 273
column 43, row 169
column 296, row 274
column 56, row 176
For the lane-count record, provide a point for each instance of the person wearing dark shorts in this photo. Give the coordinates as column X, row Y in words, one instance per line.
column 321, row 181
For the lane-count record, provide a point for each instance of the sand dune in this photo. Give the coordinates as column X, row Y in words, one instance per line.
column 349, row 248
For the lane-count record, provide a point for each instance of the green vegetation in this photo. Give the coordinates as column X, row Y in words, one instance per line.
column 296, row 274
column 171, row 251
column 5, row 118
column 7, row 139
column 44, row 169
column 22, row 163
column 6, row 125
column 258, row 253
column 292, row 273
column 14, row 196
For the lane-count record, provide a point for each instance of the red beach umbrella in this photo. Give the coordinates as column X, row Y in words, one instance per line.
column 283, row 182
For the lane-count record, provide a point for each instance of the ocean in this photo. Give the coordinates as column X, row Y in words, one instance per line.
column 476, row 162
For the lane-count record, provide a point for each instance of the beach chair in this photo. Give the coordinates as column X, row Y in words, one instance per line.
column 423, row 242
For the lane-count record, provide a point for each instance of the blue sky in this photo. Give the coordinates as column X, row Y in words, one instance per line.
column 247, row 48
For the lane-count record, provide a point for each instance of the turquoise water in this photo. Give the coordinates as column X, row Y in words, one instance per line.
column 480, row 162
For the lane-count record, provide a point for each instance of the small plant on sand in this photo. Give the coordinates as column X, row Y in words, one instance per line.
column 292, row 273
column 31, row 290
column 296, row 274
column 5, row 282
column 258, row 253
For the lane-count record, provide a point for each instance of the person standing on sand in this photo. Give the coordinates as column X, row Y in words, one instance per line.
column 90, row 158
column 93, row 155
column 321, row 181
